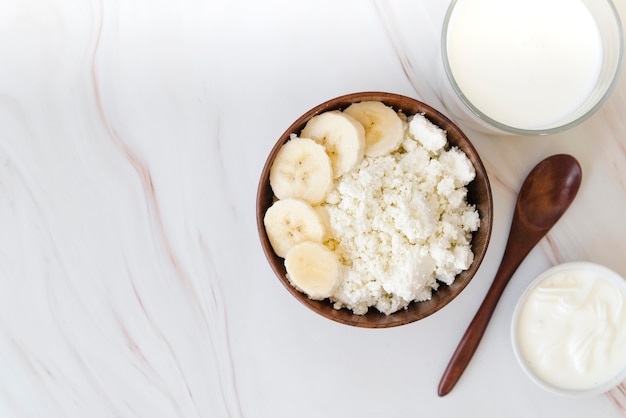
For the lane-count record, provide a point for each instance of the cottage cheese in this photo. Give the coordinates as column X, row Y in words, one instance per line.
column 400, row 223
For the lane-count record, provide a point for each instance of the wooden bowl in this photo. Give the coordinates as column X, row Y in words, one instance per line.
column 479, row 194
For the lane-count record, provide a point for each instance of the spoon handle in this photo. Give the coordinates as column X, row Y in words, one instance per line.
column 475, row 331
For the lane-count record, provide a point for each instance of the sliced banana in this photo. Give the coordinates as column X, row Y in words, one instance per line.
column 384, row 130
column 341, row 135
column 322, row 212
column 313, row 269
column 301, row 169
column 291, row 221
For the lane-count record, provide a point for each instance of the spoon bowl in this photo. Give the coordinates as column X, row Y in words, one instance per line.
column 545, row 195
column 541, row 203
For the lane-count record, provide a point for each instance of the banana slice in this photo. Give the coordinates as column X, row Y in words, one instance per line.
column 384, row 130
column 302, row 170
column 342, row 136
column 322, row 212
column 313, row 269
column 291, row 221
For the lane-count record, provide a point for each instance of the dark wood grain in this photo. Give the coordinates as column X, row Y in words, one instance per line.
column 545, row 195
column 479, row 193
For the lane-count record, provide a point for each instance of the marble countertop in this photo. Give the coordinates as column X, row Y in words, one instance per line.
column 132, row 279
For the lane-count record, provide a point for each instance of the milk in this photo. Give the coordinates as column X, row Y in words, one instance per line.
column 528, row 64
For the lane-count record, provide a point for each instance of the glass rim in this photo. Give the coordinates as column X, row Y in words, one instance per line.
column 529, row 132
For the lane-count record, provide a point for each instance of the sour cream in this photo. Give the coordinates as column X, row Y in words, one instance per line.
column 569, row 329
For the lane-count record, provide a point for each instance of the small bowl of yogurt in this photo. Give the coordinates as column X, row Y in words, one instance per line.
column 569, row 329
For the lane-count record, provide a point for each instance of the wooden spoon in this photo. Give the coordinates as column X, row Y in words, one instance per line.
column 545, row 195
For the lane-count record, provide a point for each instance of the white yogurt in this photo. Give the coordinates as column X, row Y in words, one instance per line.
column 569, row 329
column 527, row 64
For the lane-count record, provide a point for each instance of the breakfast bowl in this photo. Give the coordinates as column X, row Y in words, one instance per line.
column 477, row 206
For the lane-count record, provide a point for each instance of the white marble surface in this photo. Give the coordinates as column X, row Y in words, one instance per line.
column 132, row 281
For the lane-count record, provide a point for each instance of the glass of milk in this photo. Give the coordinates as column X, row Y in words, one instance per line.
column 569, row 329
column 532, row 67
